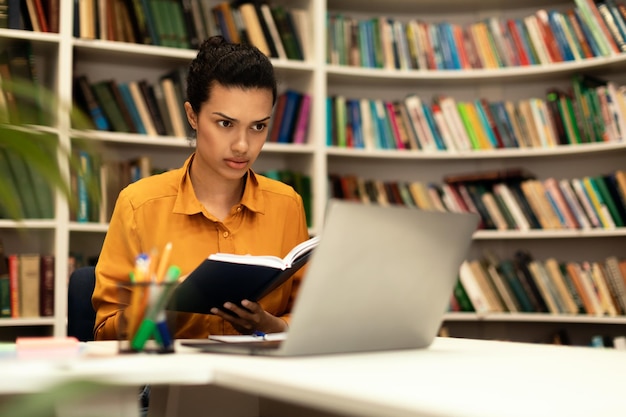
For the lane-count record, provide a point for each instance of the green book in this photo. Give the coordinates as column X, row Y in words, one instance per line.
column 566, row 109
column 603, row 192
column 467, row 123
column 22, row 179
column 5, row 288
column 462, row 298
column 10, row 207
column 104, row 96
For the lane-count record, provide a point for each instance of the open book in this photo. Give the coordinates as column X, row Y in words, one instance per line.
column 226, row 277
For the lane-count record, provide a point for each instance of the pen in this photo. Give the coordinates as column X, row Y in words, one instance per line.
column 148, row 325
column 259, row 334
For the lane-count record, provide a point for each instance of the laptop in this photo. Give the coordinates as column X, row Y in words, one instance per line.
column 380, row 279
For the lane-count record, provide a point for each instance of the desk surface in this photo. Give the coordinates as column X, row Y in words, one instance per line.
column 453, row 377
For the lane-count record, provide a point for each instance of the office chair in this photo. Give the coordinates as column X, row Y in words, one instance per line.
column 80, row 313
column 81, row 316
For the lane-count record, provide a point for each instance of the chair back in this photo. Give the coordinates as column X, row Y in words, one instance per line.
column 81, row 316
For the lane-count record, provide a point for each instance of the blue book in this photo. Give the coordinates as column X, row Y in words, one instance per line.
column 82, row 179
column 435, row 42
column 433, row 127
column 446, row 53
column 288, row 120
column 528, row 45
column 364, row 44
column 559, row 33
column 329, row 121
column 378, row 130
column 355, row 117
column 503, row 115
column 617, row 17
column 588, row 35
column 132, row 108
column 448, row 42
column 371, row 43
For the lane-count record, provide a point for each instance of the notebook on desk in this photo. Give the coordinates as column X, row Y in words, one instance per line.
column 380, row 279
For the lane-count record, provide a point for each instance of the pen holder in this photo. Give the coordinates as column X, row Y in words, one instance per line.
column 144, row 326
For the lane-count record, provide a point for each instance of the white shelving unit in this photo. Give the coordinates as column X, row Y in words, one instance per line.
column 61, row 56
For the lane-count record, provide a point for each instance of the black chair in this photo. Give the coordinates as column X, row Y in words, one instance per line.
column 81, row 316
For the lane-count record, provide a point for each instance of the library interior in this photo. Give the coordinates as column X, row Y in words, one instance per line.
column 513, row 112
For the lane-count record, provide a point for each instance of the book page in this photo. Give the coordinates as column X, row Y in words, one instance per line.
column 269, row 260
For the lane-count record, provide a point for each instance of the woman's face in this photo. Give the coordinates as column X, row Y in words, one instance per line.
column 231, row 128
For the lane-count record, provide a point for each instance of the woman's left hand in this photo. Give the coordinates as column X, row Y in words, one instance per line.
column 250, row 318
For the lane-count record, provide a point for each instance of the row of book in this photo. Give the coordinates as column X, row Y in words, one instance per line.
column 136, row 106
column 511, row 200
column 589, row 29
column 524, row 284
column 35, row 15
column 592, row 110
column 158, row 108
column 278, row 31
column 98, row 182
column 32, row 195
column 26, row 284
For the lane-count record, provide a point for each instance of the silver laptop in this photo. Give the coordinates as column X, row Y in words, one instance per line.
column 380, row 279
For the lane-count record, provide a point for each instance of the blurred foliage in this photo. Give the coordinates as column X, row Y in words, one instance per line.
column 38, row 144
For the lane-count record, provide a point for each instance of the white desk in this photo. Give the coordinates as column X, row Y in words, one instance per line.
column 454, row 377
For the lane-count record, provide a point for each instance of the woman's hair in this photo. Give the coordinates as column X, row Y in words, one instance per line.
column 229, row 64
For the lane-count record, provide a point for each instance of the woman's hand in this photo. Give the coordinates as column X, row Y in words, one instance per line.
column 251, row 318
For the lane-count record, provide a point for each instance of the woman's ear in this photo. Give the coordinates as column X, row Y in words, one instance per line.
column 192, row 117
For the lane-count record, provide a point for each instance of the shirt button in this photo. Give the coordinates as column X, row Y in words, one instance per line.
column 225, row 234
column 238, row 209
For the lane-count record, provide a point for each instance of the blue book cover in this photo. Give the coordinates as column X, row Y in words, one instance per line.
column 378, row 129
column 130, row 104
column 448, row 37
column 288, row 120
column 617, row 16
column 528, row 45
column 329, row 121
column 436, row 45
column 365, row 44
column 559, row 33
column 355, row 118
column 433, row 127
column 502, row 114
column 82, row 212
column 370, row 27
column 587, row 32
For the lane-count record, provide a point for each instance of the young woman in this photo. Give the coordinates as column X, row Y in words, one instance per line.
column 213, row 203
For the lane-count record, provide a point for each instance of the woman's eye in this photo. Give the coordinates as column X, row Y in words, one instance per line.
column 224, row 123
column 259, row 127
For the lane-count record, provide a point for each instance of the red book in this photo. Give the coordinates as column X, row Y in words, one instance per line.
column 548, row 36
column 518, row 42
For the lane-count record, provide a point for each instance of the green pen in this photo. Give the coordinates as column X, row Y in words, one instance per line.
column 158, row 300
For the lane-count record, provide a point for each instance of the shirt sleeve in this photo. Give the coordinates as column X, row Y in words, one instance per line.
column 117, row 257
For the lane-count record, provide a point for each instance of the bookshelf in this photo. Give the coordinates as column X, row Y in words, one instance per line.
column 63, row 55
column 514, row 83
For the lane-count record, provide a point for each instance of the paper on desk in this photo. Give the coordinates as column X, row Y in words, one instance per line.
column 248, row 337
